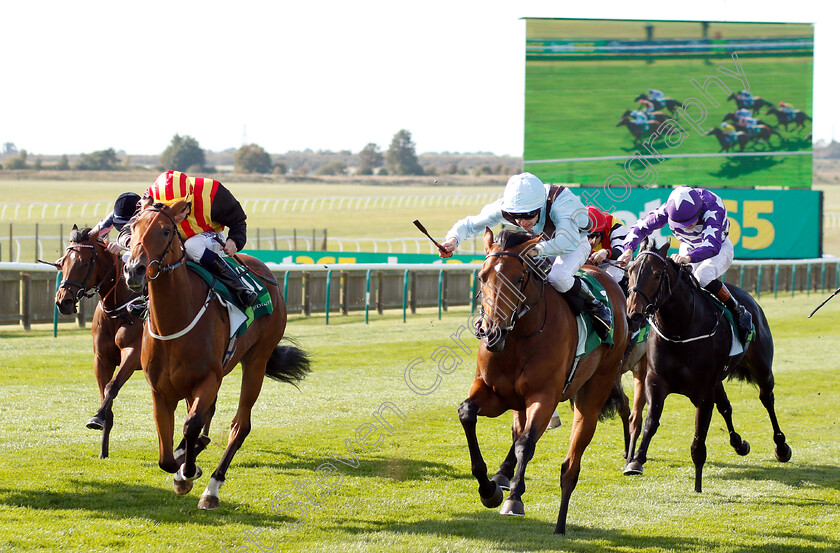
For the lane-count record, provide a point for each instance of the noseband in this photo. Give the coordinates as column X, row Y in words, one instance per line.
column 520, row 309
column 82, row 287
column 161, row 267
column 654, row 304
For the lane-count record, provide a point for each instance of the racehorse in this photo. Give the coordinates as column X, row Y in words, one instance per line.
column 185, row 339
column 656, row 115
column 798, row 117
column 688, row 354
column 89, row 268
column 725, row 143
column 668, row 103
column 639, row 131
column 738, row 126
column 526, row 363
column 757, row 103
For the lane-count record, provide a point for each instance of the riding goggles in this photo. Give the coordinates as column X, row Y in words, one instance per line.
column 526, row 215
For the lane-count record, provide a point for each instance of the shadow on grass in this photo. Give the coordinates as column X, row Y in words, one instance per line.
column 791, row 474
column 397, row 469
column 736, row 167
column 524, row 534
column 117, row 499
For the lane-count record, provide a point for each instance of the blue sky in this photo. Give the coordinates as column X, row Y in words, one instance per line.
column 91, row 75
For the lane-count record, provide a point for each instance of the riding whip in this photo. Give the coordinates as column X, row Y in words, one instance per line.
column 824, row 302
column 420, row 226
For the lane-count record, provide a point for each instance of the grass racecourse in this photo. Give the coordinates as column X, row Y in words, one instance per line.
column 413, row 490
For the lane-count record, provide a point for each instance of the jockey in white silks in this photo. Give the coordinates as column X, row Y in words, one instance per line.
column 535, row 207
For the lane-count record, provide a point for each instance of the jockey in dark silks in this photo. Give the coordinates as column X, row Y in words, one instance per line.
column 697, row 217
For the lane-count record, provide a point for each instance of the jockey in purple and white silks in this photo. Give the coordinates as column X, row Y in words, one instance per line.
column 698, row 219
column 563, row 226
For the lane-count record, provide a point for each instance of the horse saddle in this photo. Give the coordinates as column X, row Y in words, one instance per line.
column 263, row 305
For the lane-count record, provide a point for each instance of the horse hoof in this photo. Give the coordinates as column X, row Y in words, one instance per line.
column 208, row 502
column 182, row 487
column 502, row 481
column 202, row 442
column 494, row 500
column 744, row 449
column 96, row 424
column 554, row 422
column 633, row 467
column 513, row 507
column 783, row 453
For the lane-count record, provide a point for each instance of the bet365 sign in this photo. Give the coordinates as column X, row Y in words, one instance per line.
column 763, row 224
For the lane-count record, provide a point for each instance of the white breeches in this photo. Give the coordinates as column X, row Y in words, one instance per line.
column 562, row 273
column 195, row 245
column 616, row 273
column 709, row 269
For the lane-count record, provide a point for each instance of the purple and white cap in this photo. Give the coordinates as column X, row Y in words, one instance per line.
column 683, row 207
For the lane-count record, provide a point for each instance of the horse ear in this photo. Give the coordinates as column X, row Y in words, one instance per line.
column 488, row 239
column 146, row 202
column 180, row 210
column 94, row 236
column 644, row 244
column 75, row 227
column 663, row 251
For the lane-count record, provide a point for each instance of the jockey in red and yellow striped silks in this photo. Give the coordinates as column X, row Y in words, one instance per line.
column 172, row 186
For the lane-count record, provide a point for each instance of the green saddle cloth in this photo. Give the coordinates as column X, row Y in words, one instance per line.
column 730, row 318
column 263, row 305
column 592, row 338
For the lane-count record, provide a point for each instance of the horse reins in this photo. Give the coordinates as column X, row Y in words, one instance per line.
column 521, row 309
column 652, row 306
column 83, row 291
column 161, row 267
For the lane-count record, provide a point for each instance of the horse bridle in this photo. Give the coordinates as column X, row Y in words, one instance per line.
column 653, row 304
column 161, row 267
column 82, row 287
column 521, row 309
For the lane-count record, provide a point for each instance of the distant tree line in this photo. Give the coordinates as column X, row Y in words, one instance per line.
column 185, row 154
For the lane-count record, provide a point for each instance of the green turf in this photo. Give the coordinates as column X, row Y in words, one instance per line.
column 414, row 491
column 571, row 111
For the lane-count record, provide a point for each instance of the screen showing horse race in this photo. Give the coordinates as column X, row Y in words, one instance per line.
column 626, row 103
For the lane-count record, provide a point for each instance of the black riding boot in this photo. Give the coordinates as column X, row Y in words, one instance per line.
column 595, row 307
column 743, row 318
column 221, row 270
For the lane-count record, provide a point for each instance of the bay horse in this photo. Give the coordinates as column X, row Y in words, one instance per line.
column 688, row 354
column 798, row 117
column 668, row 103
column 725, row 143
column 757, row 103
column 656, row 115
column 185, row 339
column 639, row 131
column 526, row 363
column 89, row 268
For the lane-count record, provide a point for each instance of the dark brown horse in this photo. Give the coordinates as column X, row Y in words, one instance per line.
column 526, row 363
column 725, row 143
column 89, row 268
column 688, row 353
column 665, row 103
column 639, row 131
column 656, row 115
column 757, row 103
column 184, row 342
column 798, row 117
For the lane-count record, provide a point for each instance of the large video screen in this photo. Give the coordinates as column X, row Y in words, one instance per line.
column 661, row 103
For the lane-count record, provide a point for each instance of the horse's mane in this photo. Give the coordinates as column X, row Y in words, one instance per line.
column 510, row 238
column 80, row 235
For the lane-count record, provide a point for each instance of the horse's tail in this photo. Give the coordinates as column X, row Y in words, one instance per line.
column 614, row 402
column 288, row 364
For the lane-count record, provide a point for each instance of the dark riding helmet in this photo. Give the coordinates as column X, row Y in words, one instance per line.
column 683, row 207
column 124, row 207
